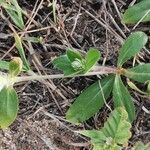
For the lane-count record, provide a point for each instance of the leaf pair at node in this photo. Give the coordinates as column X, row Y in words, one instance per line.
column 94, row 97
column 74, row 63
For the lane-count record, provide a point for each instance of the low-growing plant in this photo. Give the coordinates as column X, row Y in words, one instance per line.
column 116, row 130
column 73, row 64
column 91, row 100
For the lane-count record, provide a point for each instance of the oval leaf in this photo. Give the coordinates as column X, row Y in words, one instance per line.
column 8, row 106
column 90, row 101
column 116, row 132
column 92, row 56
column 63, row 63
column 73, row 55
column 117, row 126
column 122, row 97
column 135, row 13
column 139, row 73
column 134, row 43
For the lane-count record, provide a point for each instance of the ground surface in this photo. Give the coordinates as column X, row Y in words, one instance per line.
column 40, row 124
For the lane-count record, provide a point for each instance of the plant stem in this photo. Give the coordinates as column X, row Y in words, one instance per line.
column 98, row 70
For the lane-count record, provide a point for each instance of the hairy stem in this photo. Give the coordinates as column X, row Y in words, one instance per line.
column 98, row 70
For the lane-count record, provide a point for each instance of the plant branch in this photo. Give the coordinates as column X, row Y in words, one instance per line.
column 98, row 70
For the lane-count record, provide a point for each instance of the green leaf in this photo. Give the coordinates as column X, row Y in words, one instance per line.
column 8, row 106
column 116, row 132
column 135, row 13
column 141, row 146
column 15, row 66
column 1, row 1
column 73, row 55
column 90, row 101
column 15, row 19
column 140, row 73
column 15, row 12
column 92, row 56
column 70, row 64
column 19, row 46
column 117, row 126
column 77, row 62
column 122, row 97
column 4, row 65
column 64, row 64
column 73, row 63
column 134, row 43
column 18, row 19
